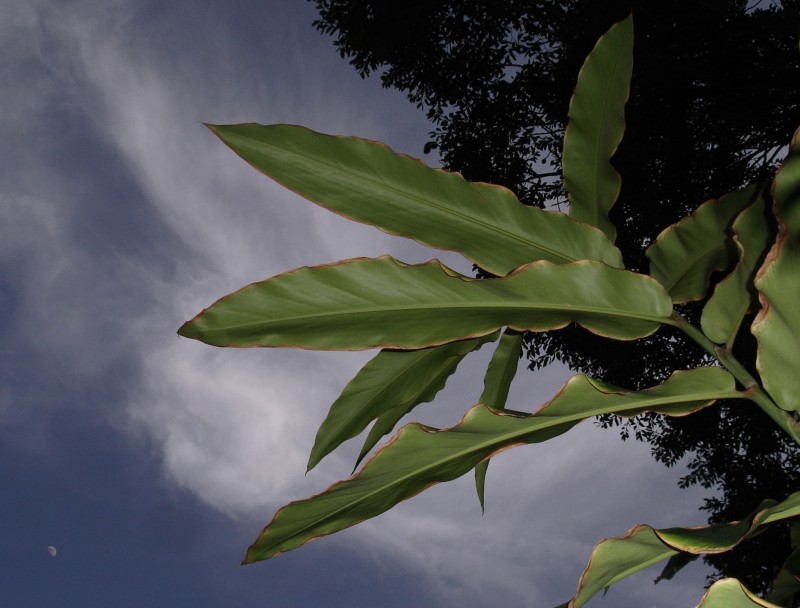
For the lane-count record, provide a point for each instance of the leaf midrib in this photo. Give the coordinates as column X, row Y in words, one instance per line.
column 600, row 159
column 480, row 306
column 491, row 228
column 687, row 268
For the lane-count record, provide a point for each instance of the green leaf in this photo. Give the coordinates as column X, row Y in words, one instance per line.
column 786, row 585
column 499, row 375
column 615, row 558
column 684, row 255
column 735, row 294
column 730, row 593
column 502, row 369
column 595, row 128
column 386, row 389
column 367, row 182
column 675, row 564
column 419, row 456
column 777, row 326
column 369, row 303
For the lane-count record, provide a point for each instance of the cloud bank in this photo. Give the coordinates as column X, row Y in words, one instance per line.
column 148, row 219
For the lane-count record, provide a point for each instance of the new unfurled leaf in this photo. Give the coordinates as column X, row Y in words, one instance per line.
column 369, row 303
column 367, row 182
column 735, row 294
column 499, row 375
column 730, row 593
column 389, row 386
column 777, row 326
column 419, row 456
column 615, row 558
column 595, row 128
column 684, row 255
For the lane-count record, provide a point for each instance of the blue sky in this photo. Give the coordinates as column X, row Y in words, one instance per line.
column 150, row 462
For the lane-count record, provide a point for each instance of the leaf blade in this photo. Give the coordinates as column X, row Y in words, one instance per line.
column 388, row 387
column 735, row 294
column 595, row 128
column 369, row 183
column 683, row 256
column 786, row 585
column 777, row 325
column 731, row 593
column 419, row 456
column 369, row 303
column 496, row 383
column 616, row 558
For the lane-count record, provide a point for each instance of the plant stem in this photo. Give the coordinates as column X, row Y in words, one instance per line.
column 753, row 389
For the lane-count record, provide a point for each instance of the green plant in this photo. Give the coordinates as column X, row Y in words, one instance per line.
column 552, row 269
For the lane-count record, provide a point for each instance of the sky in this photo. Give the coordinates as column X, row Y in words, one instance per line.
column 150, row 462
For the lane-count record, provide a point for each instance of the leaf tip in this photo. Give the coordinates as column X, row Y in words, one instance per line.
column 189, row 330
column 313, row 460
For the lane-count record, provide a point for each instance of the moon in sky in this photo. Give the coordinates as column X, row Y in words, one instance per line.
column 52, row 551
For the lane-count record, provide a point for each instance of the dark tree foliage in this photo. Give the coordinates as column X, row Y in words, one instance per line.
column 715, row 96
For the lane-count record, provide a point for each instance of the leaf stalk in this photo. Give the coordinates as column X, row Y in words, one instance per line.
column 753, row 390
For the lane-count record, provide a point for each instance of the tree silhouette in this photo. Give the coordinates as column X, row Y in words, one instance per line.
column 714, row 97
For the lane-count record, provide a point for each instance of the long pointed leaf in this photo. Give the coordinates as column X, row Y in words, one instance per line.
column 730, row 593
column 386, row 389
column 420, row 456
column 735, row 294
column 595, row 128
column 777, row 326
column 502, row 369
column 615, row 558
column 684, row 255
column 367, row 182
column 499, row 375
column 369, row 303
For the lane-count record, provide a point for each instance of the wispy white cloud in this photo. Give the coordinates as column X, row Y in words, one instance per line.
column 233, row 426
